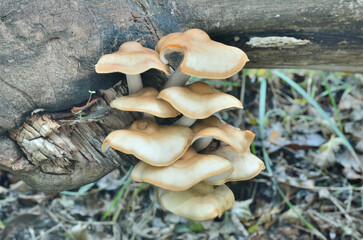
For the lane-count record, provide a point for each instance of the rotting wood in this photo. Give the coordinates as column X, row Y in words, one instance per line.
column 68, row 151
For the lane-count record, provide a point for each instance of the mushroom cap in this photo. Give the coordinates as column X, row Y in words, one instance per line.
column 131, row 58
column 153, row 144
column 145, row 101
column 214, row 127
column 202, row 202
column 198, row 100
column 187, row 171
column 246, row 165
column 203, row 57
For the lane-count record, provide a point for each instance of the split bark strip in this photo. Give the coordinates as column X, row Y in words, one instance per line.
column 64, row 154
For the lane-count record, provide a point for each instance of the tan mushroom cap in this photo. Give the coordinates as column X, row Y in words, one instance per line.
column 131, row 58
column 246, row 165
column 213, row 127
column 198, row 100
column 145, row 101
column 187, row 171
column 203, row 57
column 202, row 202
column 153, row 144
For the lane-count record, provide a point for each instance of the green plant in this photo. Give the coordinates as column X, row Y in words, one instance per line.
column 119, row 194
column 332, row 100
column 262, row 118
column 319, row 109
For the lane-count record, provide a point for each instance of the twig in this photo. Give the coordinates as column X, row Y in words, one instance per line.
column 355, row 210
column 346, row 229
column 314, row 189
column 76, row 110
column 341, row 209
column 59, row 225
column 349, row 200
column 107, row 223
column 56, row 219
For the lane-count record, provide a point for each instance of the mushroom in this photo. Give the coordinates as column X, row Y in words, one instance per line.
column 246, row 165
column 131, row 59
column 203, row 57
column 207, row 129
column 145, row 101
column 202, row 202
column 197, row 101
column 153, row 144
column 187, row 171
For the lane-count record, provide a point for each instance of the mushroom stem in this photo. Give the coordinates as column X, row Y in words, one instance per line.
column 134, row 83
column 177, row 79
column 219, row 179
column 184, row 121
column 202, row 143
column 148, row 116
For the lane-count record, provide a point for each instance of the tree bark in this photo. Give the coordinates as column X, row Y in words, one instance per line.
column 48, row 51
column 324, row 35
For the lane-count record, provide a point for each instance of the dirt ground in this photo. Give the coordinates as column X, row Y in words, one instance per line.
column 311, row 188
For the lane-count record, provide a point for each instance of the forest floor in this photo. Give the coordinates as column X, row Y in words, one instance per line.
column 311, row 187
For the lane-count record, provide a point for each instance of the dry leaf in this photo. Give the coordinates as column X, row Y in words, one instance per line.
column 353, row 104
column 348, row 161
column 290, row 216
column 79, row 232
column 325, row 156
column 242, row 210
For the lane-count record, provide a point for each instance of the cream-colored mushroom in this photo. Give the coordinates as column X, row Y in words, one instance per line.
column 246, row 165
column 145, row 101
column 187, row 171
column 203, row 57
column 202, row 202
column 197, row 101
column 153, row 144
column 131, row 59
column 207, row 129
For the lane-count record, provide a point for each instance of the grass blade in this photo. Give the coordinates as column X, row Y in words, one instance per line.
column 263, row 88
column 320, row 110
column 119, row 194
column 332, row 100
column 81, row 191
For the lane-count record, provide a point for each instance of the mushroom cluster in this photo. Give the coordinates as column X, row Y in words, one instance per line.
column 174, row 157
